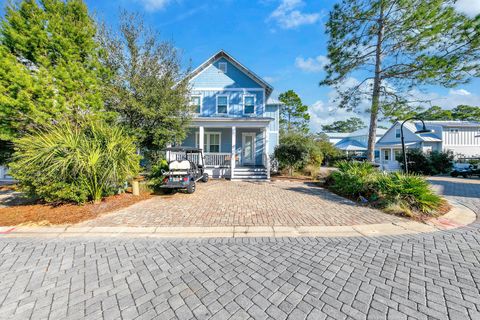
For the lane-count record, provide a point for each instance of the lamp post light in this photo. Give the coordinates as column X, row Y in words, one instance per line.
column 423, row 130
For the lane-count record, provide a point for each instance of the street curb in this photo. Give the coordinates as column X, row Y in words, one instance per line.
column 459, row 216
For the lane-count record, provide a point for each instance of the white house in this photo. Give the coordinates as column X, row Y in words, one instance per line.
column 460, row 137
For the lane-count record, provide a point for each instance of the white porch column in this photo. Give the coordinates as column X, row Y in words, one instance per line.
column 201, row 137
column 167, row 153
column 266, row 138
column 234, row 149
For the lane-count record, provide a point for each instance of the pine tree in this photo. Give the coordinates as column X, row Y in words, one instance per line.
column 396, row 46
column 49, row 65
column 293, row 113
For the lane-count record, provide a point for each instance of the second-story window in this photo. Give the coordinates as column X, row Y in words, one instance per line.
column 249, row 104
column 398, row 133
column 196, row 103
column 222, row 104
column 222, row 66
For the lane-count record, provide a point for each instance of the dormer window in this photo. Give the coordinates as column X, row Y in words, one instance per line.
column 398, row 133
column 222, row 104
column 222, row 66
column 248, row 104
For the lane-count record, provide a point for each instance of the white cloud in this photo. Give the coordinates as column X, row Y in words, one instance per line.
column 459, row 92
column 154, row 5
column 288, row 15
column 468, row 7
column 312, row 64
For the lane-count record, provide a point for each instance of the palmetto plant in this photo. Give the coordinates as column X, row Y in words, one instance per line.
column 87, row 161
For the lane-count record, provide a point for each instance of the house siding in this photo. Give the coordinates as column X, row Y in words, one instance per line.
column 235, row 102
column 212, row 77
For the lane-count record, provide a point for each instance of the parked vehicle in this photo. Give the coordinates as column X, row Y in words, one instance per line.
column 466, row 172
column 184, row 170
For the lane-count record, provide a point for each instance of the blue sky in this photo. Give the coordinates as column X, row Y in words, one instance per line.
column 283, row 41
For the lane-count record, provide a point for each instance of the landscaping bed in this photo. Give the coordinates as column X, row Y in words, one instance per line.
column 18, row 212
column 394, row 193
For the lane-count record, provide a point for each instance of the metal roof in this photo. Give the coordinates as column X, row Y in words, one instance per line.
column 350, row 145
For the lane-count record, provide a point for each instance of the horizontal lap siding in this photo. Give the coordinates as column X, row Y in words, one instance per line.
column 235, row 102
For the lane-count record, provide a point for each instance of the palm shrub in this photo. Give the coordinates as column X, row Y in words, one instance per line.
column 68, row 162
column 354, row 179
column 408, row 192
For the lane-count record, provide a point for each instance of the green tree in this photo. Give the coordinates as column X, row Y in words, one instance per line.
column 49, row 65
column 398, row 45
column 348, row 125
column 293, row 113
column 148, row 88
column 435, row 113
column 291, row 156
column 464, row 112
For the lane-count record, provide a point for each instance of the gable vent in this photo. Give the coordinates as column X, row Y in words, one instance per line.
column 222, row 66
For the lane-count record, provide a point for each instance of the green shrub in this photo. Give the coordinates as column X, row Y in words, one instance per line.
column 156, row 176
column 354, row 179
column 410, row 192
column 291, row 156
column 435, row 162
column 393, row 192
column 74, row 162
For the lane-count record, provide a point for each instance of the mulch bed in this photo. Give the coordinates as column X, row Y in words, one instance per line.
column 44, row 214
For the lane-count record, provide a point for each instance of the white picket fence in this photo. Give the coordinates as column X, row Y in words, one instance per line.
column 214, row 160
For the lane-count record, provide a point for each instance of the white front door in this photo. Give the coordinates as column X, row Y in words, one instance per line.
column 248, row 148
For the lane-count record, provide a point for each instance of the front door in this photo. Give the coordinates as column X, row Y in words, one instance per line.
column 248, row 148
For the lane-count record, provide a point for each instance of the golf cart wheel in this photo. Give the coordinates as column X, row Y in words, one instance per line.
column 205, row 177
column 454, row 174
column 465, row 175
column 191, row 187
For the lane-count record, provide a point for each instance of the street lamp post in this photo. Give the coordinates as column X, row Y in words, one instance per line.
column 423, row 130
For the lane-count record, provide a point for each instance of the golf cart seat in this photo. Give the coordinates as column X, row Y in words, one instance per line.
column 180, row 166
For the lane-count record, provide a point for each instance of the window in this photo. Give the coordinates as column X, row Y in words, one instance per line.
column 211, row 141
column 222, row 66
column 248, row 104
column 398, row 155
column 386, row 155
column 222, row 104
column 195, row 102
column 454, row 130
column 398, row 133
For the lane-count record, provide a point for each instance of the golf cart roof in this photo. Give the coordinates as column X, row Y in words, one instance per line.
column 183, row 149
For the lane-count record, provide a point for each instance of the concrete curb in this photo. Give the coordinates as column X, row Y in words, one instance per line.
column 459, row 216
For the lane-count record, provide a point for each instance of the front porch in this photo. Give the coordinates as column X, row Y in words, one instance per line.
column 232, row 149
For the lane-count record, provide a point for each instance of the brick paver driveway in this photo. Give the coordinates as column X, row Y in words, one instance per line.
column 225, row 203
column 433, row 276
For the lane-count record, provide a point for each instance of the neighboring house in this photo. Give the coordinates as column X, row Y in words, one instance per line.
column 235, row 122
column 353, row 143
column 460, row 137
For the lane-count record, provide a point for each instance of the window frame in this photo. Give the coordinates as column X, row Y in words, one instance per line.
column 398, row 133
column 399, row 153
column 228, row 103
column 387, row 155
column 254, row 103
column 222, row 63
column 200, row 104
column 207, row 139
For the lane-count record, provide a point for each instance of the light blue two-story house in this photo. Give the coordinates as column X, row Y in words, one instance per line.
column 234, row 122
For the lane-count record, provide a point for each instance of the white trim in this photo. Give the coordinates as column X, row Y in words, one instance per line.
column 254, row 135
column 274, row 131
column 226, row 89
column 207, row 140
column 254, row 103
column 201, row 102
column 228, row 103
column 223, row 63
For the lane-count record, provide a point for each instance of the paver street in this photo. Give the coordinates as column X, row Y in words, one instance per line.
column 429, row 276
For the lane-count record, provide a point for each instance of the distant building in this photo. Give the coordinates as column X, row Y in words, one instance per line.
column 460, row 137
column 352, row 143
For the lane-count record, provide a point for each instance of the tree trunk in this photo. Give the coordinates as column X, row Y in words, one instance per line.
column 372, row 132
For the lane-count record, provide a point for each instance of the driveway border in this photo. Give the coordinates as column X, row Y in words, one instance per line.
column 459, row 216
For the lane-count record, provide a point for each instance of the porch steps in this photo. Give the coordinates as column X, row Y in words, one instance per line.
column 250, row 174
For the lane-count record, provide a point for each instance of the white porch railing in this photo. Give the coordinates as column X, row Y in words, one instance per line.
column 217, row 160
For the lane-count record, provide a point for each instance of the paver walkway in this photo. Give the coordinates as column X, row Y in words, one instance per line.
column 225, row 203
column 432, row 276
